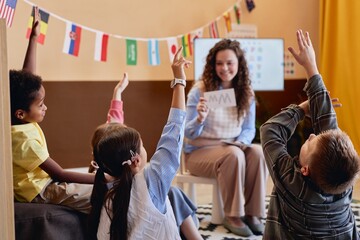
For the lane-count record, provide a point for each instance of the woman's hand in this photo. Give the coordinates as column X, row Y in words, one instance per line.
column 202, row 110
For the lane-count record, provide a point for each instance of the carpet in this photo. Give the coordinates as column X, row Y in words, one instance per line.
column 211, row 231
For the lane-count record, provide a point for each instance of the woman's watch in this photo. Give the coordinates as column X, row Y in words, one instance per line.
column 177, row 81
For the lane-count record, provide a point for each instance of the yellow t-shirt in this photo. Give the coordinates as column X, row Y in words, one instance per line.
column 29, row 151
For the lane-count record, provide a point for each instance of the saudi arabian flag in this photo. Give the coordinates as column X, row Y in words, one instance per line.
column 131, row 52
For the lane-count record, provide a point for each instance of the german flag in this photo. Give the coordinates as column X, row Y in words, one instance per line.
column 43, row 25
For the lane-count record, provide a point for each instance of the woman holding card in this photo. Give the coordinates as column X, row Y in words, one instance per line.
column 240, row 167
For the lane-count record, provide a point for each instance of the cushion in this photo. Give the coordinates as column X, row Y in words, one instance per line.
column 48, row 221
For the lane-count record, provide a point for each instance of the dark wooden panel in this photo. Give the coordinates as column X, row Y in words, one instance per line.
column 75, row 109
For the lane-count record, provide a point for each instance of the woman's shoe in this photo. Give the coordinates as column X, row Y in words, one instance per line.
column 241, row 231
column 257, row 229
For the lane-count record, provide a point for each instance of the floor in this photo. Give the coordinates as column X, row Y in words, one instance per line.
column 204, row 192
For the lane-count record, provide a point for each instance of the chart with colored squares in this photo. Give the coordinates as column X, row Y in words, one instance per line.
column 289, row 65
column 265, row 59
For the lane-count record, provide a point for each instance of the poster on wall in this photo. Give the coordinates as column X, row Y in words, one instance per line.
column 265, row 59
column 242, row 31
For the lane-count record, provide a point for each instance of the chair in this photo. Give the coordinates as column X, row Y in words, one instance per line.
column 184, row 176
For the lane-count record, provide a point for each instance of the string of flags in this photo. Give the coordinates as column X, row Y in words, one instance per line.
column 73, row 32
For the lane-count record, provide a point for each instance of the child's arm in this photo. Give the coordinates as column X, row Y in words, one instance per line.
column 166, row 160
column 321, row 109
column 178, row 98
column 30, row 56
column 116, row 113
column 57, row 173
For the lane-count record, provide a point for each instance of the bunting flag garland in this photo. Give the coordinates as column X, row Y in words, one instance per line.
column 237, row 13
column 187, row 45
column 227, row 21
column 43, row 25
column 213, row 30
column 73, row 34
column 72, row 39
column 7, row 11
column 153, row 52
column 250, row 5
column 172, row 44
column 101, row 43
column 131, row 52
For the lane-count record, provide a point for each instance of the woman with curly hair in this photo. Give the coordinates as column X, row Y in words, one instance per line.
column 239, row 168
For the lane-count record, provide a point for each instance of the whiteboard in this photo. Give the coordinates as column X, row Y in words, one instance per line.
column 265, row 59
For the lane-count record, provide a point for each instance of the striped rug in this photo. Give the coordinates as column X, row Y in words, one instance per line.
column 211, row 231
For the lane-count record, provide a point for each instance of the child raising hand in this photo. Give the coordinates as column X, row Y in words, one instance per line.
column 134, row 204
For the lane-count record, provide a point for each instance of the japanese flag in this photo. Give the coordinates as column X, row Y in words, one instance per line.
column 172, row 47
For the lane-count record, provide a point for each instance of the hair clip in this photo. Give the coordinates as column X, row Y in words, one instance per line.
column 134, row 156
column 94, row 165
column 128, row 162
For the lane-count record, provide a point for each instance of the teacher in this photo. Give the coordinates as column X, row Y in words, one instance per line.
column 240, row 169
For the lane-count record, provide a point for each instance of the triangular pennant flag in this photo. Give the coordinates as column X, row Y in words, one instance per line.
column 101, row 43
column 153, row 52
column 227, row 21
column 237, row 13
column 7, row 11
column 43, row 25
column 198, row 33
column 131, row 52
column 213, row 30
column 172, row 47
column 250, row 5
column 72, row 39
column 187, row 45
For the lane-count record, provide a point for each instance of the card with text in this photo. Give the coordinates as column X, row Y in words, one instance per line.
column 220, row 98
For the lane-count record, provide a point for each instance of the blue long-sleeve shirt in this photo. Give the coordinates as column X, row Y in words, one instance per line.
column 166, row 159
column 194, row 129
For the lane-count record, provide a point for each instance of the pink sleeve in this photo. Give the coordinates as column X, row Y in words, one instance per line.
column 116, row 113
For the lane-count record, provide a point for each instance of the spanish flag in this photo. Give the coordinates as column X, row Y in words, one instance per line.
column 43, row 25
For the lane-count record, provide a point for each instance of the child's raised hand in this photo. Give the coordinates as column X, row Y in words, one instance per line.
column 178, row 64
column 120, row 87
column 306, row 53
column 35, row 31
